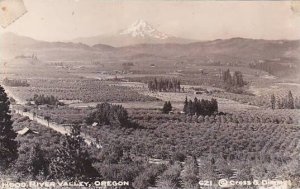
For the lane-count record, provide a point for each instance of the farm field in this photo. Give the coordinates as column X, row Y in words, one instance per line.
column 246, row 139
column 77, row 89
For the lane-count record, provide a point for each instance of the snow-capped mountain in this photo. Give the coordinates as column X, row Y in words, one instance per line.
column 140, row 32
column 143, row 29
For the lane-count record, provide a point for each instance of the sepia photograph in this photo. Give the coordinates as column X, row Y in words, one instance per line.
column 159, row 94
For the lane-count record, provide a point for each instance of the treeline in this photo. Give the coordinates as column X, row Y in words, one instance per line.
column 42, row 100
column 15, row 82
column 287, row 102
column 270, row 67
column 108, row 114
column 164, row 85
column 167, row 107
column 200, row 107
column 233, row 83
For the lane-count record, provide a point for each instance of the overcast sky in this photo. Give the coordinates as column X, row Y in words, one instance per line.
column 54, row 20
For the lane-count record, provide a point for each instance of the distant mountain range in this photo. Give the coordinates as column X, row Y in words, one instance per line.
column 139, row 32
column 12, row 45
column 224, row 50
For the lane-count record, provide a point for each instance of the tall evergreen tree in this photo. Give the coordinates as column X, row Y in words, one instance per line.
column 8, row 145
column 185, row 106
column 290, row 101
column 297, row 102
column 238, row 79
column 167, row 107
column 273, row 101
column 279, row 103
column 200, row 107
column 234, row 82
column 227, row 76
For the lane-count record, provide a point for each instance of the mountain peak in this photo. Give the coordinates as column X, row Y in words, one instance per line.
column 143, row 29
column 141, row 23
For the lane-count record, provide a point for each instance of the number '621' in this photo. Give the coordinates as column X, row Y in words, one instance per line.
column 205, row 183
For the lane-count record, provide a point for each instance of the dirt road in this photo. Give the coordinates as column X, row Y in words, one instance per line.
column 57, row 127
